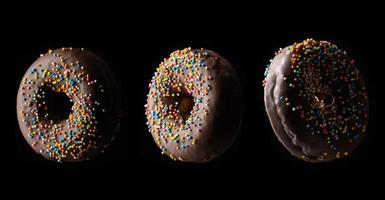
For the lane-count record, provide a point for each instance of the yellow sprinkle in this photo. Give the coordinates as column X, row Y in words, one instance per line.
column 338, row 154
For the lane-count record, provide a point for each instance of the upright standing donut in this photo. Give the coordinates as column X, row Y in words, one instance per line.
column 68, row 105
column 316, row 101
column 194, row 106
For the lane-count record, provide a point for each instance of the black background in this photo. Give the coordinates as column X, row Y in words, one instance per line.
column 134, row 41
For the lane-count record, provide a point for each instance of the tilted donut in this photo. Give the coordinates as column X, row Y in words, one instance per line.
column 194, row 105
column 316, row 101
column 88, row 87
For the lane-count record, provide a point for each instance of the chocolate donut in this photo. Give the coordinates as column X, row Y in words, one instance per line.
column 194, row 106
column 68, row 105
column 316, row 101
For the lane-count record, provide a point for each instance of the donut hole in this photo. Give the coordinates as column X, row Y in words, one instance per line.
column 53, row 105
column 324, row 101
column 185, row 106
column 328, row 100
column 183, row 103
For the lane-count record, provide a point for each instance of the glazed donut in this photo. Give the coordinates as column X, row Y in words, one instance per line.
column 68, row 105
column 194, row 106
column 316, row 101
